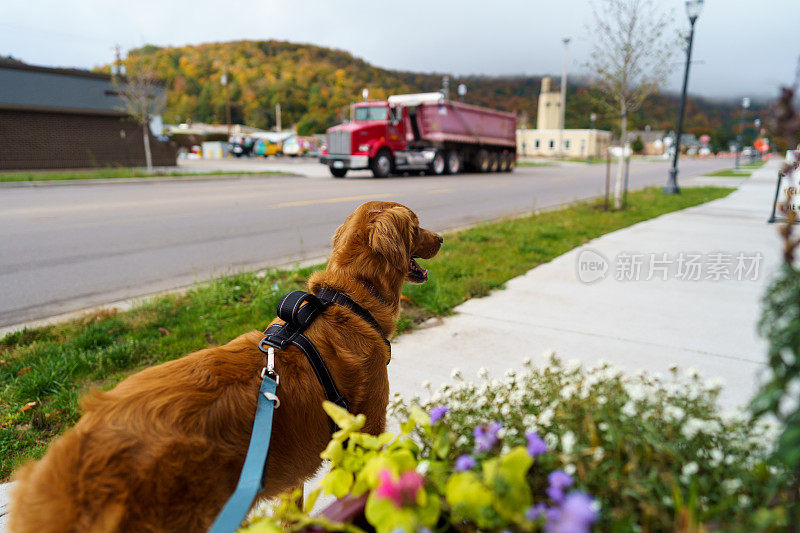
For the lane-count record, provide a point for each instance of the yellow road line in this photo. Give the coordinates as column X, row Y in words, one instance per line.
column 329, row 200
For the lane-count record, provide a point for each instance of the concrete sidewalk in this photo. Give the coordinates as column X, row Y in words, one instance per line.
column 645, row 324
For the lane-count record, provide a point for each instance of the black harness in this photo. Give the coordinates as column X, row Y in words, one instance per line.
column 298, row 309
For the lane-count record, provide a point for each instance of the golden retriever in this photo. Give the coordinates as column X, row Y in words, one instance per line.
column 162, row 450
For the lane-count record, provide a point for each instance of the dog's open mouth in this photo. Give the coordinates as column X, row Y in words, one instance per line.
column 416, row 274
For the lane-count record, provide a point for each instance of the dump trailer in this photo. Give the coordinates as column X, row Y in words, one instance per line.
column 422, row 132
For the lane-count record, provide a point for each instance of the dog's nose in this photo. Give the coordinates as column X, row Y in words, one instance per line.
column 441, row 240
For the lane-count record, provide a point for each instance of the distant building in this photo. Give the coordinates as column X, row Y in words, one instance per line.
column 543, row 141
column 53, row 118
column 653, row 140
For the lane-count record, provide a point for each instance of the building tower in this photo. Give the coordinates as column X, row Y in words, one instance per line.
column 549, row 114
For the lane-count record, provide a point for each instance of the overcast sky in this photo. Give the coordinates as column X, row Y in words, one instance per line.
column 742, row 48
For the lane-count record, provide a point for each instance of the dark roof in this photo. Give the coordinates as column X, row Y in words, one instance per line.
column 29, row 87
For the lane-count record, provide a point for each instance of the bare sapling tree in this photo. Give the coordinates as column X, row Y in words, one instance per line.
column 143, row 97
column 630, row 58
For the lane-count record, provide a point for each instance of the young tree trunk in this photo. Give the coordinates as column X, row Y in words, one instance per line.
column 623, row 142
column 147, row 155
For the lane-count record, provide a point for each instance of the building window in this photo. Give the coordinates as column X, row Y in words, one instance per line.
column 552, row 144
column 537, row 143
column 566, row 144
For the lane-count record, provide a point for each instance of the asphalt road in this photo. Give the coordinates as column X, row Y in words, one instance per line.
column 69, row 247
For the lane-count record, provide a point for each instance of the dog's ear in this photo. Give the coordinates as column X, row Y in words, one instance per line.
column 390, row 235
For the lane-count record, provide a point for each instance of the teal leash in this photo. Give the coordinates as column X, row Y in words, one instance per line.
column 254, row 471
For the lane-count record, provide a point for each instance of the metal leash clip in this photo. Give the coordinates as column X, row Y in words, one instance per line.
column 269, row 370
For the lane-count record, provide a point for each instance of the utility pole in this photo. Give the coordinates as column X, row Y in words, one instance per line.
column 224, row 81
column 565, row 40
column 740, row 138
column 278, row 117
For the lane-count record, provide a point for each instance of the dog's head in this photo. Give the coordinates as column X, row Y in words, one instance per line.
column 384, row 240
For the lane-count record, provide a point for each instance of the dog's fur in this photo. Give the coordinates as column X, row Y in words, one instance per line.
column 162, row 450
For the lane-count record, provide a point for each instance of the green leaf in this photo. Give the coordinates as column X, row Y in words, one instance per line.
column 337, row 482
column 333, row 452
column 469, row 499
column 386, row 517
column 506, row 476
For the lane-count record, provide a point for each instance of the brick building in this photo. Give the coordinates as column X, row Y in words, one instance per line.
column 53, row 118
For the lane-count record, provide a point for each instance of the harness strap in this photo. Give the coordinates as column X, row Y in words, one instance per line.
column 329, row 296
column 282, row 335
column 254, row 471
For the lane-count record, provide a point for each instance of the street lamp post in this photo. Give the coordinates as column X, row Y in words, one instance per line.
column 693, row 9
column 565, row 40
column 740, row 138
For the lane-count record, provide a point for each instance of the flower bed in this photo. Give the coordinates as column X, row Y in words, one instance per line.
column 559, row 448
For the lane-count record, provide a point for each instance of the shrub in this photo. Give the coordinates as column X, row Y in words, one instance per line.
column 555, row 448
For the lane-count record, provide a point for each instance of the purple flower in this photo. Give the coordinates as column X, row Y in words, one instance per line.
column 576, row 515
column 486, row 436
column 464, row 463
column 536, row 512
column 536, row 446
column 558, row 481
column 437, row 413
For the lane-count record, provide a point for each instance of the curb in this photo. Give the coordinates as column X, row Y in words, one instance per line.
column 155, row 179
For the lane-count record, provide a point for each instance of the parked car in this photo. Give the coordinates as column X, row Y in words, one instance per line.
column 264, row 148
column 241, row 146
column 292, row 146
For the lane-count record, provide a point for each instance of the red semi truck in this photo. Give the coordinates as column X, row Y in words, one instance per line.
column 422, row 132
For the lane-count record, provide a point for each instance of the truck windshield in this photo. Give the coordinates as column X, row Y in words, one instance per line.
column 371, row 113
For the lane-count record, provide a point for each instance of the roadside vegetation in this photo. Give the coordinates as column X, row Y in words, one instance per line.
column 113, row 173
column 44, row 371
column 743, row 171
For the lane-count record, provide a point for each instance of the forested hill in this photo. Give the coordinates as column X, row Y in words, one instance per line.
column 315, row 85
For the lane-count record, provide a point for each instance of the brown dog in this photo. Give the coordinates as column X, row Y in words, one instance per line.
column 162, row 450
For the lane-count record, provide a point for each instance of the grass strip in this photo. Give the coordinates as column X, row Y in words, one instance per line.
column 44, row 371
column 114, row 173
column 743, row 171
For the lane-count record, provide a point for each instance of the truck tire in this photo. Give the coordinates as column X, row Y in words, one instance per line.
column 381, row 165
column 438, row 165
column 338, row 172
column 482, row 161
column 512, row 161
column 494, row 163
column 453, row 162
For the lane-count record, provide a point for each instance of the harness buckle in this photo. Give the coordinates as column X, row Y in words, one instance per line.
column 269, row 370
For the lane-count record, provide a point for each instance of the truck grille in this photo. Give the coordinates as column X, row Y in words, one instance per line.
column 339, row 142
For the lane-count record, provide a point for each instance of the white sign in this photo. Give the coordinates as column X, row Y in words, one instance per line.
column 790, row 185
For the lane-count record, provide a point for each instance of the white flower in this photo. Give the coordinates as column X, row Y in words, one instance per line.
column 667, row 501
column 629, row 409
column 714, row 383
column 568, row 392
column 505, row 410
column 692, row 427
column 462, row 440
column 483, row 372
column 526, row 362
column 602, row 400
column 598, row 453
column 573, row 364
column 423, row 467
column 426, row 384
column 569, row 469
column 551, row 440
column 546, row 416
column 744, row 500
column 732, row 485
column 455, row 373
column 568, row 442
column 529, row 420
column 690, row 469
column 505, row 449
column 673, row 412
column 603, row 426
column 716, row 457
column 693, row 372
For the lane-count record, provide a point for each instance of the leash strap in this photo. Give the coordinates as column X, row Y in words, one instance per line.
column 254, row 471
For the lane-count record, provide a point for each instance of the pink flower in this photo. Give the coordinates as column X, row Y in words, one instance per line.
column 403, row 491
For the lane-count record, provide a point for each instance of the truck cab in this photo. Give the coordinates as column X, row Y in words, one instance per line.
column 369, row 141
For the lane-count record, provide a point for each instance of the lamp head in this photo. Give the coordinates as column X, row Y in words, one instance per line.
column 693, row 9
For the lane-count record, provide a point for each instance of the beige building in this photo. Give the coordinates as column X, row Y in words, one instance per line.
column 544, row 140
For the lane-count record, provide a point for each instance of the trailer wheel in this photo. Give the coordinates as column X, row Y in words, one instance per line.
column 338, row 172
column 381, row 164
column 482, row 161
column 494, row 164
column 453, row 162
column 512, row 161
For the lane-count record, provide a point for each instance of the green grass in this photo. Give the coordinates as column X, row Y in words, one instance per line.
column 743, row 171
column 534, row 163
column 111, row 173
column 54, row 365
